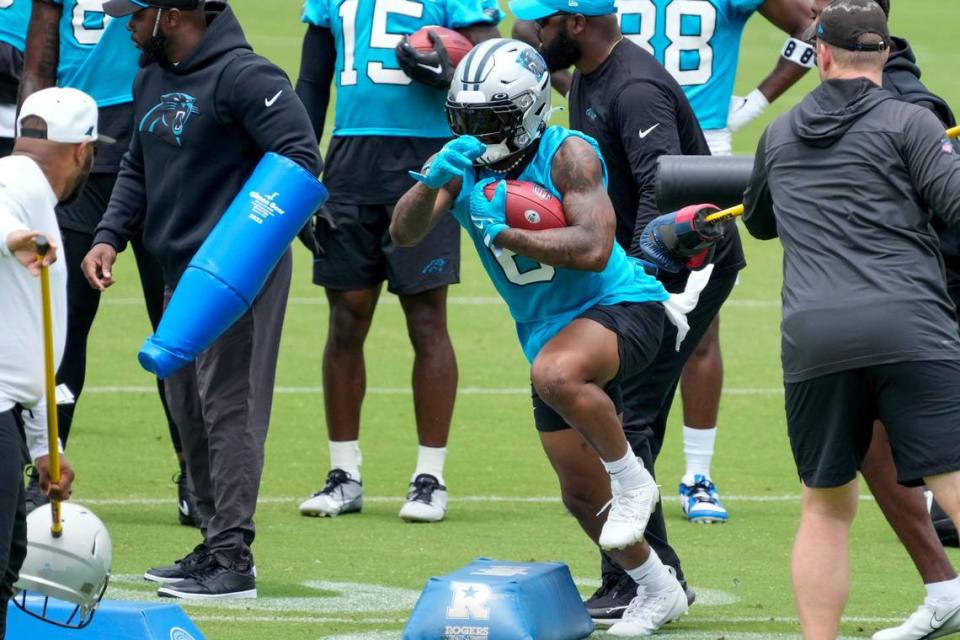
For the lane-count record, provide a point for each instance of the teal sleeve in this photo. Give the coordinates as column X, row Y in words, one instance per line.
column 465, row 13
column 316, row 12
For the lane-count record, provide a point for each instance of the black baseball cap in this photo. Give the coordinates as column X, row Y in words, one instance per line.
column 842, row 24
column 120, row 8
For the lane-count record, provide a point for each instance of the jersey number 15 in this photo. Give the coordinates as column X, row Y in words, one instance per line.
column 380, row 38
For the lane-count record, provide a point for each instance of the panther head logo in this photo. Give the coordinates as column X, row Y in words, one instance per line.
column 169, row 118
column 533, row 61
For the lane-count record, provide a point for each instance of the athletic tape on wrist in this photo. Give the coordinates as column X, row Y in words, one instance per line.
column 800, row 52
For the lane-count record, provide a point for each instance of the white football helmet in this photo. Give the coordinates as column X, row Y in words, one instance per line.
column 500, row 94
column 74, row 567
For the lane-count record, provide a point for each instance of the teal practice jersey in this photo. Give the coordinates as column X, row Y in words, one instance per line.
column 544, row 299
column 14, row 20
column 374, row 96
column 698, row 41
column 96, row 53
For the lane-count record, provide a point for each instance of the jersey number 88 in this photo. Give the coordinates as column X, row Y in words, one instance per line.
column 696, row 10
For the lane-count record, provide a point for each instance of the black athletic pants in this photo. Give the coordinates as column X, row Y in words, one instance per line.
column 647, row 399
column 82, row 304
column 13, row 512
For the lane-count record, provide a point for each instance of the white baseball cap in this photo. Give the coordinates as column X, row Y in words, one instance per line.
column 70, row 115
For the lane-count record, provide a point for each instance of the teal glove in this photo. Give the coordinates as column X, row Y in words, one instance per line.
column 489, row 216
column 450, row 162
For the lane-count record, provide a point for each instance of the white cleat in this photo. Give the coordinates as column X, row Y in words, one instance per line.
column 426, row 500
column 341, row 494
column 932, row 619
column 629, row 513
column 650, row 610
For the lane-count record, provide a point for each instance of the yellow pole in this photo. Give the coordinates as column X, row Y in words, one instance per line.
column 733, row 212
column 50, row 379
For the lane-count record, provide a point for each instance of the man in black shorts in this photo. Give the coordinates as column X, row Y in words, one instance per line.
column 389, row 117
column 847, row 180
column 629, row 103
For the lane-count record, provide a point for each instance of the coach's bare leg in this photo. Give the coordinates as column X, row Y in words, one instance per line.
column 585, row 489
column 570, row 374
column 906, row 511
column 344, row 370
column 820, row 562
column 946, row 491
column 434, row 365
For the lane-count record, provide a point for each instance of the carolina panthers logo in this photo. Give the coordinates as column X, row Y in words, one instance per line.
column 533, row 61
column 169, row 119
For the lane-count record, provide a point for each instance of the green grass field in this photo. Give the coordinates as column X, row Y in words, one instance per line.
column 358, row 576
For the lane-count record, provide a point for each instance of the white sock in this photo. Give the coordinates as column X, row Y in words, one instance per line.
column 653, row 574
column 627, row 473
column 346, row 455
column 698, row 450
column 946, row 590
column 431, row 460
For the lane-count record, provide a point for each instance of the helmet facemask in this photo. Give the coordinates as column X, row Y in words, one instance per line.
column 497, row 124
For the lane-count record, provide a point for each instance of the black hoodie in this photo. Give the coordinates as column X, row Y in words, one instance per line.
column 846, row 179
column 200, row 128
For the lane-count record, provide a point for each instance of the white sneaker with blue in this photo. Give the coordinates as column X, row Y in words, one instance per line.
column 933, row 619
column 341, row 494
column 700, row 500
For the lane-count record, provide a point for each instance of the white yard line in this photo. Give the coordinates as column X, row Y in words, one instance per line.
column 453, row 301
column 405, row 391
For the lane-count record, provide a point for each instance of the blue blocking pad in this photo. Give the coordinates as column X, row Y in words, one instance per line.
column 230, row 268
column 497, row 600
column 112, row 621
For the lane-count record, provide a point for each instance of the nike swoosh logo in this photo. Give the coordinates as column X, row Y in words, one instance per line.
column 643, row 134
column 270, row 101
column 184, row 507
column 936, row 622
column 436, row 69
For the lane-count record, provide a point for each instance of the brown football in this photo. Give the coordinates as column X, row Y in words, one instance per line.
column 530, row 206
column 456, row 44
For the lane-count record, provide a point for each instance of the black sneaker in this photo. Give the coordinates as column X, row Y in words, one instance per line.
column 33, row 495
column 215, row 581
column 181, row 569
column 607, row 604
column 186, row 504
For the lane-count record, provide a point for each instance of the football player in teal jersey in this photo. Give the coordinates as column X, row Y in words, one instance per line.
column 388, row 117
column 699, row 44
column 73, row 43
column 588, row 317
column 14, row 18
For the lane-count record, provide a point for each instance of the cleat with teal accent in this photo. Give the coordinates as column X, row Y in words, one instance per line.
column 701, row 502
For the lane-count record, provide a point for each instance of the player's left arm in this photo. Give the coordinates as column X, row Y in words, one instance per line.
column 259, row 96
column 477, row 33
column 793, row 17
column 42, row 55
column 587, row 240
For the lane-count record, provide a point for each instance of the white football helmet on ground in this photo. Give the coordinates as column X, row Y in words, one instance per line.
column 500, row 94
column 74, row 567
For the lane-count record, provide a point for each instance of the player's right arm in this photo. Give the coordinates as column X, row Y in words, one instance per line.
column 123, row 217
column 317, row 65
column 419, row 210
column 42, row 55
column 793, row 17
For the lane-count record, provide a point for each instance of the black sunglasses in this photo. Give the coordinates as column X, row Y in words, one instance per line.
column 542, row 22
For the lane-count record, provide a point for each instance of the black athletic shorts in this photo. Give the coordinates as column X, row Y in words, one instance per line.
column 356, row 252
column 638, row 326
column 830, row 420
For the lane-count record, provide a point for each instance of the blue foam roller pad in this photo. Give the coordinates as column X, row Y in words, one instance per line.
column 112, row 621
column 493, row 599
column 230, row 268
